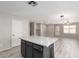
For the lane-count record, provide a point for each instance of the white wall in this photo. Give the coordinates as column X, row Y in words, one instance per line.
column 6, row 29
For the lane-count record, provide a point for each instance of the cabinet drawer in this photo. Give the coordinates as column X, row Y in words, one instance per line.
column 38, row 47
column 37, row 54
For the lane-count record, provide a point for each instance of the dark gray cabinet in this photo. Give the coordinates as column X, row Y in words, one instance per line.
column 37, row 54
column 32, row 50
column 23, row 48
column 37, row 51
column 28, row 51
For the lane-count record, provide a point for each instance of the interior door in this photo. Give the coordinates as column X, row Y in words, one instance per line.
column 17, row 32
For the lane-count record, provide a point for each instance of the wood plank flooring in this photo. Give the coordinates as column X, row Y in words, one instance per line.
column 67, row 48
column 64, row 48
column 11, row 53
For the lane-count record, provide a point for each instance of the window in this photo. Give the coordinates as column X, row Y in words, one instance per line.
column 66, row 29
column 71, row 29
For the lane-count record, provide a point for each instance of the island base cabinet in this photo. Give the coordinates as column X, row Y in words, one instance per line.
column 37, row 54
column 28, row 51
column 32, row 50
column 23, row 48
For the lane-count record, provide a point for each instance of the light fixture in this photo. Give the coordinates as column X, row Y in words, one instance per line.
column 62, row 17
column 32, row 3
column 64, row 20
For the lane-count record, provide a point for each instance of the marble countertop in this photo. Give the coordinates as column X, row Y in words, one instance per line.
column 44, row 41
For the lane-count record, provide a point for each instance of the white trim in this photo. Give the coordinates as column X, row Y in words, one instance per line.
column 5, row 49
column 8, row 48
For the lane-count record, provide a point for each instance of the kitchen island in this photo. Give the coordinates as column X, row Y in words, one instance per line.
column 37, row 47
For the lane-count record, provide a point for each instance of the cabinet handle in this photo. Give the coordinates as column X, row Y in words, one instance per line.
column 37, row 49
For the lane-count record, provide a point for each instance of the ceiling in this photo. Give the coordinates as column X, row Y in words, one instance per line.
column 47, row 11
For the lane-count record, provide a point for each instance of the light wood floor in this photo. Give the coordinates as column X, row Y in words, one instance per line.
column 11, row 53
column 67, row 48
column 64, row 48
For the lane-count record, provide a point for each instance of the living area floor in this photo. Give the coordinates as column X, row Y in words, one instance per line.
column 11, row 53
column 63, row 48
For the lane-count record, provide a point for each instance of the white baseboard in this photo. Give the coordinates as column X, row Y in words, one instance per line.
column 5, row 49
column 8, row 48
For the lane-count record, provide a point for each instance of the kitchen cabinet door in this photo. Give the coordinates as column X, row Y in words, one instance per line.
column 28, row 48
column 28, row 51
column 37, row 54
column 23, row 43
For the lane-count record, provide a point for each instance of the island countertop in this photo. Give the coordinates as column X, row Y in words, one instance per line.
column 44, row 41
